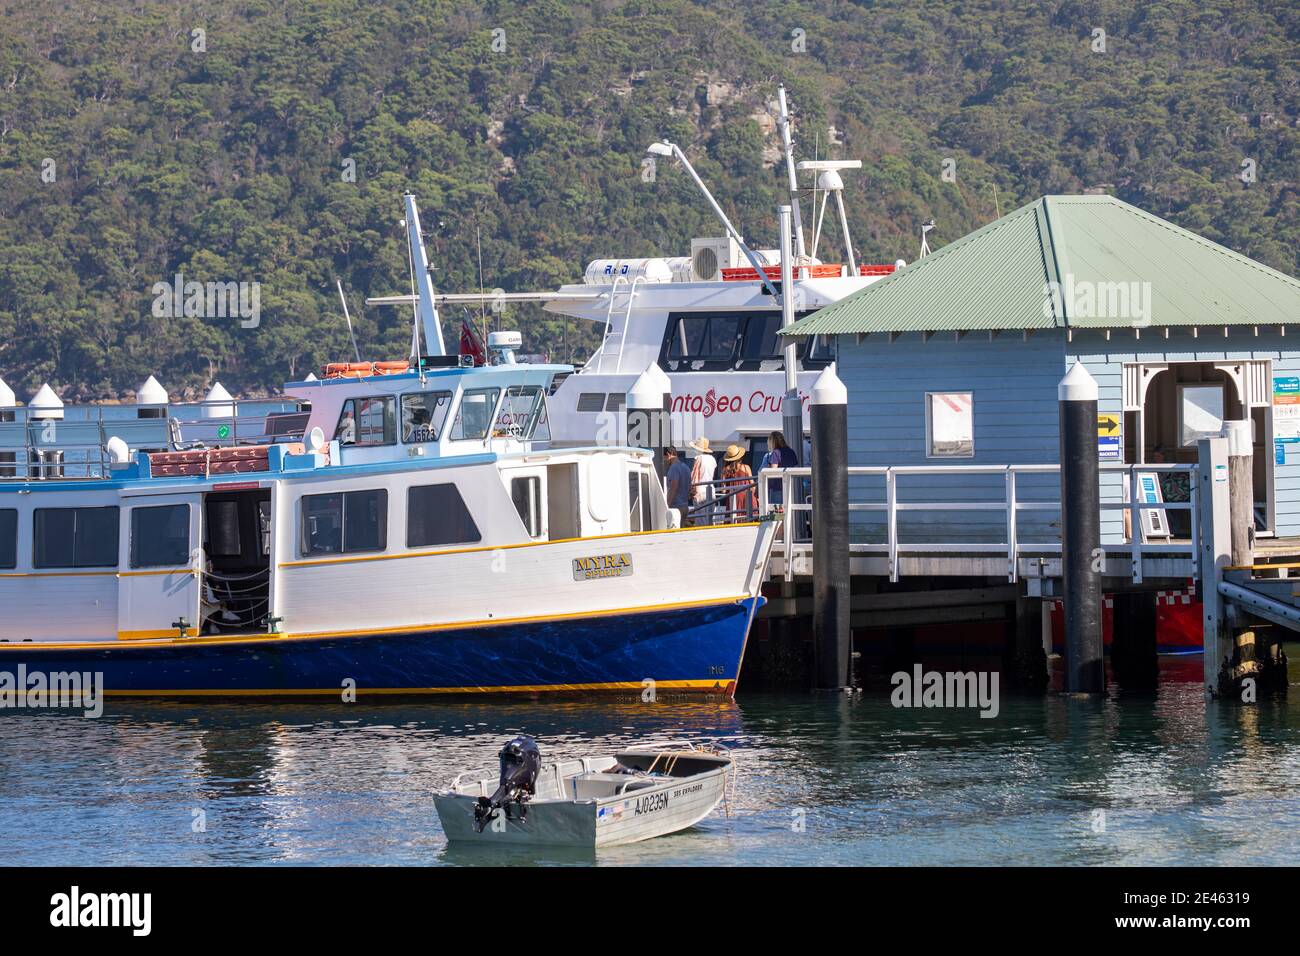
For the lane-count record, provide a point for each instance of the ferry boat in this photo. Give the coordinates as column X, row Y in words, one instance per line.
column 709, row 320
column 404, row 530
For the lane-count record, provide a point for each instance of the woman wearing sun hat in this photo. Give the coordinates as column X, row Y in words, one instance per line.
column 702, row 472
column 739, row 486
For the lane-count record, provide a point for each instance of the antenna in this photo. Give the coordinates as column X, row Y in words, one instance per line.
column 478, row 241
column 925, row 245
column 355, row 351
column 830, row 183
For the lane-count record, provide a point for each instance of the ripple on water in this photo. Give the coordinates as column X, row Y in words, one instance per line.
column 820, row 780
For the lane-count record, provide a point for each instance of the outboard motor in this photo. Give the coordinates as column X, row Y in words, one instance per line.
column 521, row 762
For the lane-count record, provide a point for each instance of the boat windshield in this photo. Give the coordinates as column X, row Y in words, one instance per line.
column 732, row 340
column 423, row 414
column 474, row 416
column 523, row 413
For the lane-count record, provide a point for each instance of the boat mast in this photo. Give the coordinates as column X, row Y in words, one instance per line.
column 426, row 309
column 791, row 405
column 787, row 145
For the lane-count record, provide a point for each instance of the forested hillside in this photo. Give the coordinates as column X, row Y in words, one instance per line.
column 270, row 142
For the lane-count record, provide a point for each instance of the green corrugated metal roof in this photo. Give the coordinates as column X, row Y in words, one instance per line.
column 1132, row 265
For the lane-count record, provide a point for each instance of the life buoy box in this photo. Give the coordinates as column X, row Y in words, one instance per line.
column 363, row 369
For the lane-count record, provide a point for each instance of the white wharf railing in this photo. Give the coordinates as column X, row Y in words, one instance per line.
column 1125, row 551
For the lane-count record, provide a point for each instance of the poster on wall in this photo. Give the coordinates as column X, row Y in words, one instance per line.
column 1286, row 410
column 1109, row 437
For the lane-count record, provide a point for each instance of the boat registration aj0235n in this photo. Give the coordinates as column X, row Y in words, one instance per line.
column 432, row 543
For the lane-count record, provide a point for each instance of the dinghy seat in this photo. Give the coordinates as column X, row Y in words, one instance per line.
column 595, row 786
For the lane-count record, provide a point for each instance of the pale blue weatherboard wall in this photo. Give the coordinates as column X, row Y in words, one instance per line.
column 1013, row 390
column 1013, row 385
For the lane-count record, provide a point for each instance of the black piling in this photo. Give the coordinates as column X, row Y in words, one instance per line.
column 1081, row 532
column 830, row 480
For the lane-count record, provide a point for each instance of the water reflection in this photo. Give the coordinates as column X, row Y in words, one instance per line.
column 822, row 778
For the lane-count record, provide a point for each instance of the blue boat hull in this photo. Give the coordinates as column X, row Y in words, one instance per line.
column 681, row 649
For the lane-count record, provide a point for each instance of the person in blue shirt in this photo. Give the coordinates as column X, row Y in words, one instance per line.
column 780, row 455
column 678, row 477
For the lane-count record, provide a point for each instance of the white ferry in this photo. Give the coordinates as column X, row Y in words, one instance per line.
column 411, row 533
column 709, row 320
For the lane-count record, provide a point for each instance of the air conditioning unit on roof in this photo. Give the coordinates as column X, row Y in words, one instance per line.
column 710, row 256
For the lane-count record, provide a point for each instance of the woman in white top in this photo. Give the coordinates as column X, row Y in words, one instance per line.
column 702, row 472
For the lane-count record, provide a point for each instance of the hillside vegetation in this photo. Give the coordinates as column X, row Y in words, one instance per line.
column 226, row 155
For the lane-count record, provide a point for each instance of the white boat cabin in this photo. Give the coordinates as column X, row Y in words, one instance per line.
column 195, row 539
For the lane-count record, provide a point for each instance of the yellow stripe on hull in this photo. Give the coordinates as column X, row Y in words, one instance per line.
column 631, row 686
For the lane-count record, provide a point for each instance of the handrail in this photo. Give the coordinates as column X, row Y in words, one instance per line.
column 627, row 320
column 609, row 318
column 32, row 445
column 1010, row 504
column 721, row 489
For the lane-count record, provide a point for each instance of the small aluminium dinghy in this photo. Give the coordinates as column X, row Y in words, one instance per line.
column 636, row 794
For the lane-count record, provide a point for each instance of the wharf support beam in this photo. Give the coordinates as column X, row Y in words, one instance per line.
column 1243, row 658
column 1133, row 642
column 1027, row 669
column 1256, row 665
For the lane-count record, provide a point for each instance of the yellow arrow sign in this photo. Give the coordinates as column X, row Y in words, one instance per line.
column 1107, row 425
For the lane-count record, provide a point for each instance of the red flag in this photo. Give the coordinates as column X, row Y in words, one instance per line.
column 471, row 344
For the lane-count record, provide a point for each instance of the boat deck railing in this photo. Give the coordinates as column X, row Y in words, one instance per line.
column 722, row 501
column 985, row 520
column 34, row 446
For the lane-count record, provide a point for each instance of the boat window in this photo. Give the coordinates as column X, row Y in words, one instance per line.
column 521, row 411
column 75, row 538
column 423, row 415
column 368, row 421
column 638, row 497
column 760, row 342
column 705, row 338
column 615, row 402
column 223, row 529
column 436, row 514
column 345, row 522
column 591, row 401
column 542, row 430
column 949, row 425
column 160, row 536
column 8, row 538
column 818, row 350
column 689, row 335
column 474, row 417
column 735, row 340
column 527, row 495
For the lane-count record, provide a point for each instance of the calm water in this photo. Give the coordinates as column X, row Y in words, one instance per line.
column 340, row 784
